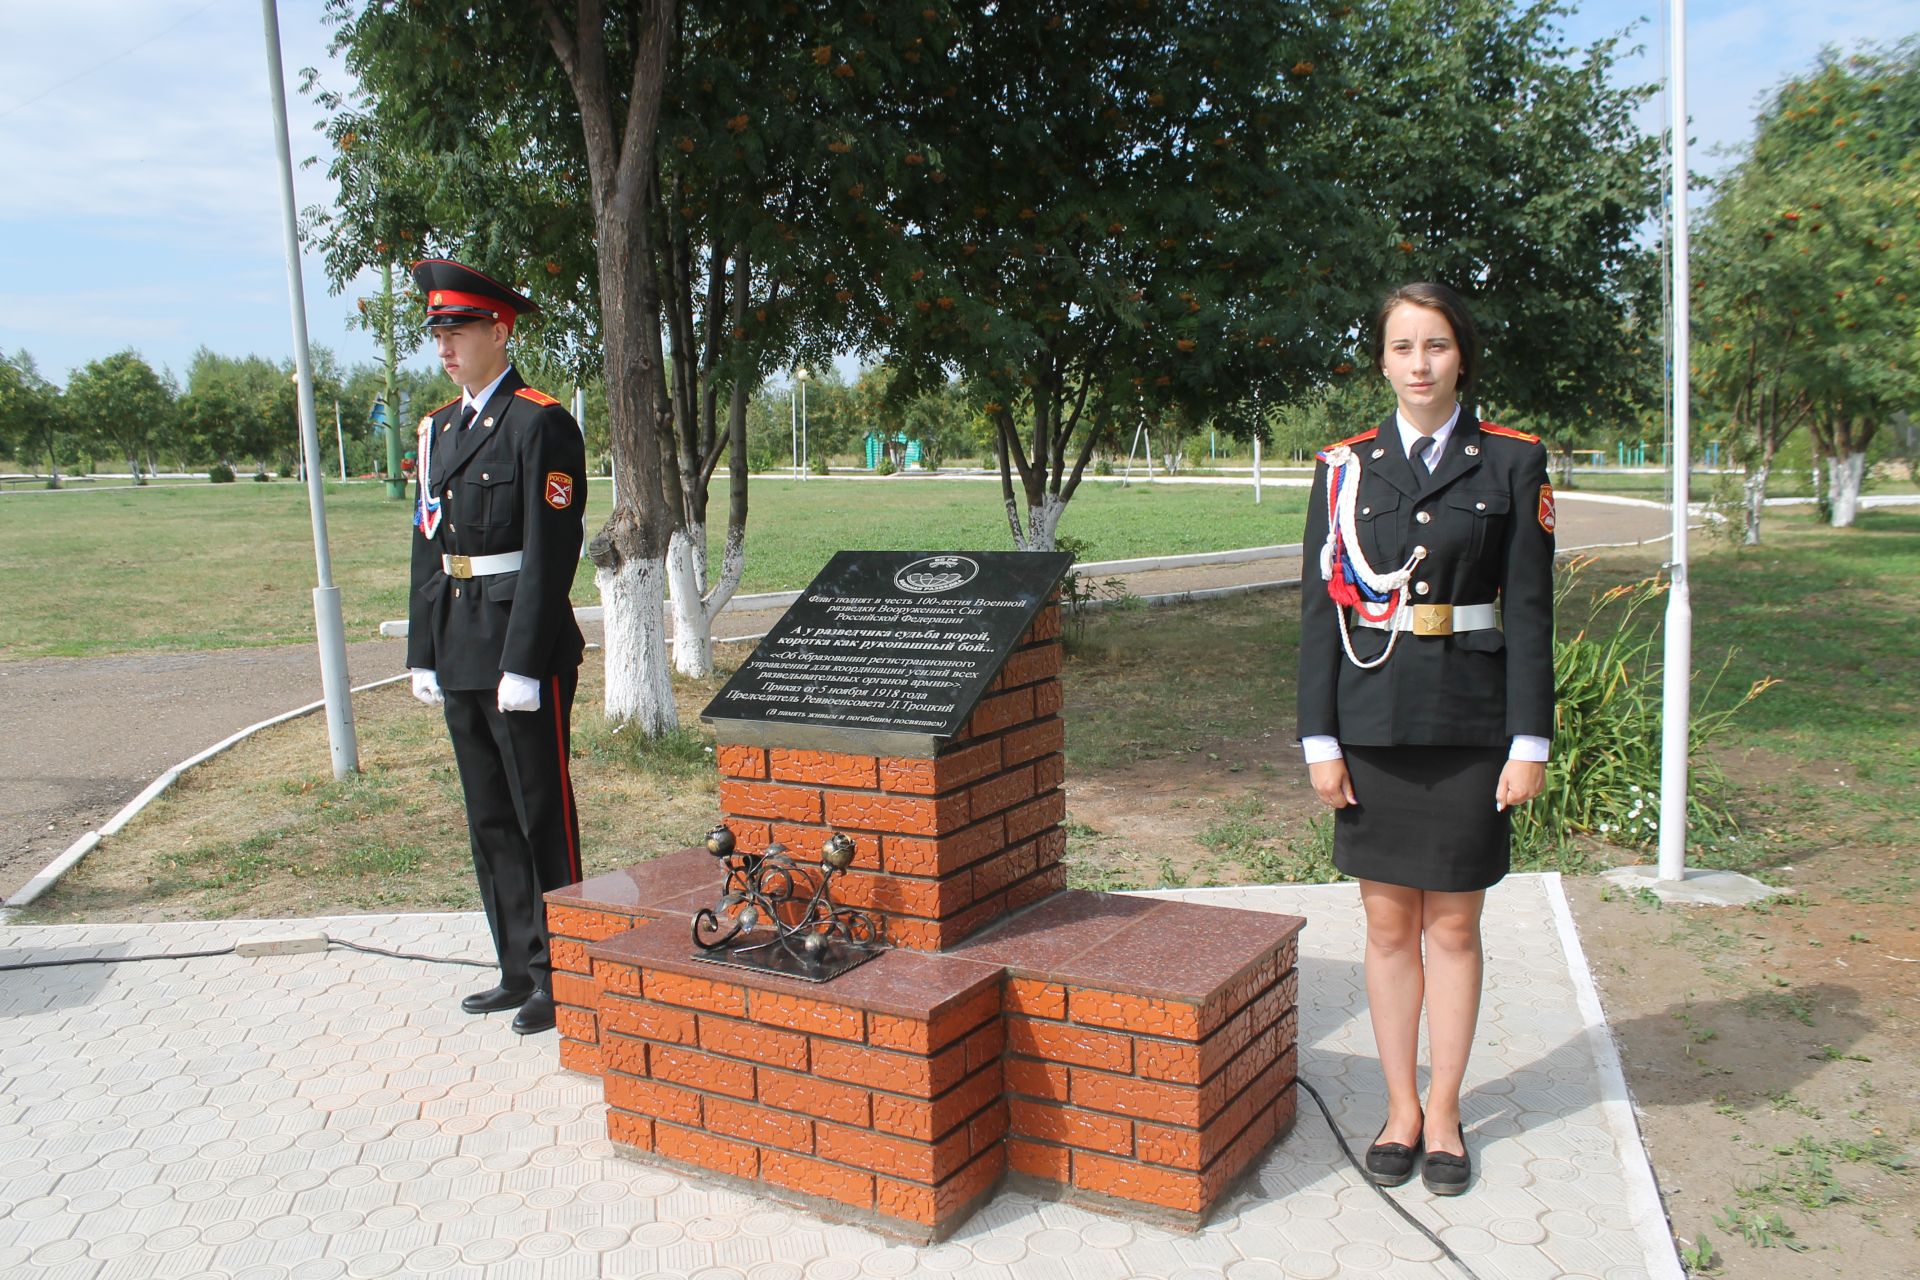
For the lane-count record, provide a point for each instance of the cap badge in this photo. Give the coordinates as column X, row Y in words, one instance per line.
column 438, row 298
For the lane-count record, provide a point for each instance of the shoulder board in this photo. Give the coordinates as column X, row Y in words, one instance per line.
column 448, row 405
column 1488, row 428
column 1364, row 435
column 538, row 397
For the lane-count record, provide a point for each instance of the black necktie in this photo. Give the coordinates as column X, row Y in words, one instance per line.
column 1422, row 471
column 466, row 419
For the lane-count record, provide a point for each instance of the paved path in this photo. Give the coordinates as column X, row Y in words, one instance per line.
column 334, row 1115
column 82, row 736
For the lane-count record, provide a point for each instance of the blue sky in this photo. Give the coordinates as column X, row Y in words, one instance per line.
column 141, row 206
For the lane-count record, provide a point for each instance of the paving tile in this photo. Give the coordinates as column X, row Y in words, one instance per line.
column 314, row 1122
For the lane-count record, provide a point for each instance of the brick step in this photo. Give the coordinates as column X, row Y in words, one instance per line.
column 1128, row 1053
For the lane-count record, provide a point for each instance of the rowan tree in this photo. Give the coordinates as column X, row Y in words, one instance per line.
column 1811, row 257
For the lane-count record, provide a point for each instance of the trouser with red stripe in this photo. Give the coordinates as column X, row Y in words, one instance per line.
column 521, row 820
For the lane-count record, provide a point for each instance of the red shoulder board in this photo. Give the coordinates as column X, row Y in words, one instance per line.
column 1488, row 428
column 538, row 397
column 449, row 404
column 1364, row 435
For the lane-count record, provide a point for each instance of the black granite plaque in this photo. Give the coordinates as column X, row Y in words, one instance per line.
column 887, row 652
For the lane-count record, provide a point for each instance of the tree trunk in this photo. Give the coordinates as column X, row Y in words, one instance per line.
column 1843, row 490
column 692, row 628
column 1756, row 500
column 133, row 465
column 53, row 461
column 1043, row 522
column 639, row 688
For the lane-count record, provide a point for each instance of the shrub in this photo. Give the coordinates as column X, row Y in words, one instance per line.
column 884, row 467
column 220, row 473
column 1603, row 777
column 1078, row 593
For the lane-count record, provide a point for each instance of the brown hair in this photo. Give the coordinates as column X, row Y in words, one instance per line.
column 1434, row 297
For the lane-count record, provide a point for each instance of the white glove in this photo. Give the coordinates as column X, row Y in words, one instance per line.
column 426, row 687
column 518, row 693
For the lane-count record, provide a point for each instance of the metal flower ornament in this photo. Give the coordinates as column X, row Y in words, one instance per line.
column 779, row 916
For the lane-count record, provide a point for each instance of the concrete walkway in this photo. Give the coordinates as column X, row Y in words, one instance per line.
column 325, row 1115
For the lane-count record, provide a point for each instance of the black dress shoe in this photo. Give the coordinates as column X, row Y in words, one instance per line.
column 494, row 999
column 535, row 1015
column 1390, row 1164
column 1446, row 1174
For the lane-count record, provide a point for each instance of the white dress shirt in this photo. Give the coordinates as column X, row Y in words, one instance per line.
column 468, row 400
column 1319, row 747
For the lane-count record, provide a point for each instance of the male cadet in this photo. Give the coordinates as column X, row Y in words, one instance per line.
column 490, row 633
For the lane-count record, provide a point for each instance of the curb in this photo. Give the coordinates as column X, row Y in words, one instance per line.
column 50, row 874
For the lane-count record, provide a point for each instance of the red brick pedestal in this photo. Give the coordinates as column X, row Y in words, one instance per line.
column 1132, row 1054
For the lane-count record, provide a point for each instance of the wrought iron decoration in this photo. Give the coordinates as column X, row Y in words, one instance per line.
column 778, row 915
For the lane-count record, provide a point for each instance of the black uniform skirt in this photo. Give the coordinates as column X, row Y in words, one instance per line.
column 1425, row 818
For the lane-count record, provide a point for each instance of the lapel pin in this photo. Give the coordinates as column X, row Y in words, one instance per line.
column 486, row 422
column 1472, row 451
column 1379, row 453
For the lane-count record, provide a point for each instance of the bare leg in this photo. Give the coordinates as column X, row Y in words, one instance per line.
column 1394, row 990
column 1451, row 923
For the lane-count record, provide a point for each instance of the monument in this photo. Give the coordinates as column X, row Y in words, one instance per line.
column 897, row 737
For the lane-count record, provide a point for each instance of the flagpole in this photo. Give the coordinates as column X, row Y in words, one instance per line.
column 326, row 597
column 1676, row 707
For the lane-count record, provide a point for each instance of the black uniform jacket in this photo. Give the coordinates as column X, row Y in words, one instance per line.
column 515, row 480
column 1485, row 517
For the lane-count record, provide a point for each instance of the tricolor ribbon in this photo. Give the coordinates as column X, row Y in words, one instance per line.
column 1352, row 582
column 426, row 510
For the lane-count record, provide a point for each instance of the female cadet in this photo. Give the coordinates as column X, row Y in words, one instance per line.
column 1425, row 714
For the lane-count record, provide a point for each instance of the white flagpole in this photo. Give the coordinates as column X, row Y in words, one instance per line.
column 344, row 744
column 1676, row 709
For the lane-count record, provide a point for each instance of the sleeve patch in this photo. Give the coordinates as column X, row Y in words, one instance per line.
column 559, row 490
column 1546, row 507
column 538, row 397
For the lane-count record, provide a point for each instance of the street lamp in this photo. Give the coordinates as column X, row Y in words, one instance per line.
column 793, row 420
column 804, row 465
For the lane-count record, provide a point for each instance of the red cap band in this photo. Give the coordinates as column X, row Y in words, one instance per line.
column 452, row 302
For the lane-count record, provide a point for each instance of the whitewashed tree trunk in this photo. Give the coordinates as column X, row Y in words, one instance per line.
column 639, row 686
column 692, row 638
column 1043, row 522
column 1756, row 501
column 1843, row 487
column 695, row 607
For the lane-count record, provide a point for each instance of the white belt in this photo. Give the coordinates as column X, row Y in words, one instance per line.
column 486, row 566
column 1435, row 619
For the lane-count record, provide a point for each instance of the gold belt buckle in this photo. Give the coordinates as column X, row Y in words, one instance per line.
column 1433, row 619
column 459, row 566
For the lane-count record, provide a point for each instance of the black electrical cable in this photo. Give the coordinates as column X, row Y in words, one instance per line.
column 408, row 955
column 61, row 964
column 227, row 951
column 1395, row 1205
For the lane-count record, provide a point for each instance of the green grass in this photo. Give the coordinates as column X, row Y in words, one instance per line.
column 214, row 567
column 1832, row 616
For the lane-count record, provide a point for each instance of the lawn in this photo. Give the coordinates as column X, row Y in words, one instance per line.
column 213, row 567
column 1830, row 614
